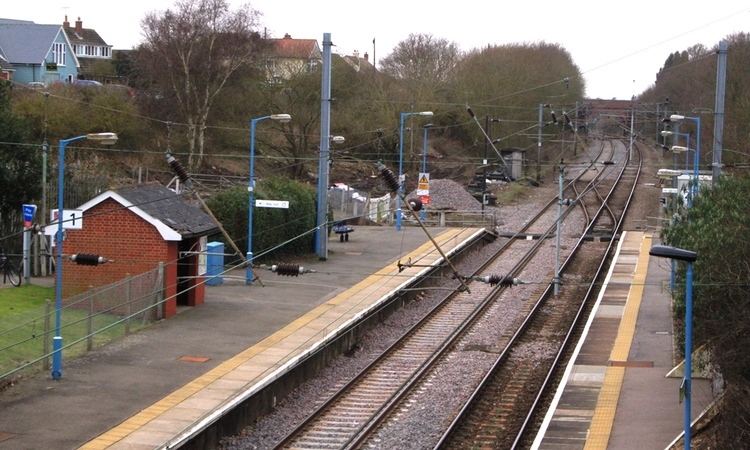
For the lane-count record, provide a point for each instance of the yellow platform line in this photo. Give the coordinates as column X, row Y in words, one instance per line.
column 606, row 404
column 150, row 413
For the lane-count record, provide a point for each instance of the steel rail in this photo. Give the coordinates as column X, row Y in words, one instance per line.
column 581, row 309
column 290, row 437
column 522, row 328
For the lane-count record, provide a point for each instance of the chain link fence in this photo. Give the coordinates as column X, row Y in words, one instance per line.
column 88, row 320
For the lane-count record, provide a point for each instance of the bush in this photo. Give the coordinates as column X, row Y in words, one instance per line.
column 272, row 227
column 716, row 228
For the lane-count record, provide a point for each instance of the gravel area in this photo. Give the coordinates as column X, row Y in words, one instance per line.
column 450, row 195
column 476, row 350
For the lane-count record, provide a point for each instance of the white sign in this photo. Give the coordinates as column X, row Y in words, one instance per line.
column 272, row 204
column 72, row 218
column 423, row 183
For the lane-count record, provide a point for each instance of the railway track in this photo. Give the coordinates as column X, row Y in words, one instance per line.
column 502, row 410
column 364, row 405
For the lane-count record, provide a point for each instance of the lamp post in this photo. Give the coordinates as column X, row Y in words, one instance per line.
column 403, row 116
column 426, row 127
column 679, row 148
column 697, row 159
column 283, row 118
column 57, row 340
column 689, row 257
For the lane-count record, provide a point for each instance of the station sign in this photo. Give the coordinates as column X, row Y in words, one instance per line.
column 283, row 204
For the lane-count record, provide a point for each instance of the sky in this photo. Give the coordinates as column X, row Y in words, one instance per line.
column 619, row 46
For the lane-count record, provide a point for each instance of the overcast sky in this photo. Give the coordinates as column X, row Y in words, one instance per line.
column 619, row 46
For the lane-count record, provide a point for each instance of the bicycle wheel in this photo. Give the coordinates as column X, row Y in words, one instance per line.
column 13, row 275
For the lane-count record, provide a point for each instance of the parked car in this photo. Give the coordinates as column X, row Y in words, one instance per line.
column 36, row 85
column 87, row 83
column 126, row 90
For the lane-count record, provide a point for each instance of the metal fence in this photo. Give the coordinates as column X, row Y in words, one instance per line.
column 88, row 320
column 349, row 203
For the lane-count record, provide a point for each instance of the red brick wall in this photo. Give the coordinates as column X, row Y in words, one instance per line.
column 114, row 232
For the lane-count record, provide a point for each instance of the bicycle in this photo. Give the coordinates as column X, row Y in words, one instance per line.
column 10, row 271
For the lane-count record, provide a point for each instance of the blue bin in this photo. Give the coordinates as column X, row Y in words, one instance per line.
column 215, row 263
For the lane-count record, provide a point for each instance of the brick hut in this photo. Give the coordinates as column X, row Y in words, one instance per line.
column 139, row 227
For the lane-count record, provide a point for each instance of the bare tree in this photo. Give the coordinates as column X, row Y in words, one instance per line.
column 191, row 52
column 422, row 57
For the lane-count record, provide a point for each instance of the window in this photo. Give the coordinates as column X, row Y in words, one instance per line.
column 105, row 51
column 58, row 53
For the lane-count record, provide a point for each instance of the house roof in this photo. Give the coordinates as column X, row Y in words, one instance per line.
column 295, row 48
column 85, row 36
column 27, row 43
column 173, row 217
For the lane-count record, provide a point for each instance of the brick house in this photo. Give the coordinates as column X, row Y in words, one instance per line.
column 139, row 227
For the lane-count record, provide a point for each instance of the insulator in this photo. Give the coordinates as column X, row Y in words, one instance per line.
column 86, row 259
column 468, row 110
column 416, row 204
column 177, row 168
column 492, row 280
column 554, row 117
column 390, row 179
column 288, row 270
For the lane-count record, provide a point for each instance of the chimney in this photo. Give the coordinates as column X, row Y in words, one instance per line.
column 366, row 57
column 66, row 24
column 356, row 54
column 79, row 26
column 287, row 36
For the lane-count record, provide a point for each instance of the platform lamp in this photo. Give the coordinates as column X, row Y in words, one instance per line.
column 678, row 254
column 57, row 340
column 283, row 118
column 402, row 117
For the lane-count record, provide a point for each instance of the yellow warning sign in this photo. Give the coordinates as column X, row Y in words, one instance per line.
column 423, row 184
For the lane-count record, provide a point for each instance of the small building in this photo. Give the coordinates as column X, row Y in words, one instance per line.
column 37, row 53
column 140, row 227
column 514, row 157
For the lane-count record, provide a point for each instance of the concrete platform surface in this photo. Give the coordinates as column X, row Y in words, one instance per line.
column 109, row 385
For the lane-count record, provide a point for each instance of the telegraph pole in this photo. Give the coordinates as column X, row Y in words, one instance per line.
column 539, row 143
column 721, row 80
column 321, row 247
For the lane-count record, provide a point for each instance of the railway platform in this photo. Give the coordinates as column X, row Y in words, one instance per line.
column 162, row 386
column 615, row 393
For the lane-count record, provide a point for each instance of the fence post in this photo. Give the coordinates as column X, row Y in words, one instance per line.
column 90, row 322
column 159, row 297
column 128, row 306
column 47, row 333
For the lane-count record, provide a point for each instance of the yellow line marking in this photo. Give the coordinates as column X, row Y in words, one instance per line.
column 606, row 404
column 148, row 414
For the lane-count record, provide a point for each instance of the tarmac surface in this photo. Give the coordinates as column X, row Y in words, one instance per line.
column 110, row 384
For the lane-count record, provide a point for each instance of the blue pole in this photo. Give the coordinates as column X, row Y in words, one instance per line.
column 321, row 234
column 400, row 169
column 423, row 213
column 688, row 349
column 251, row 202
column 57, row 340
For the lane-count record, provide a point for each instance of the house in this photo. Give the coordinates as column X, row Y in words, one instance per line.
column 139, row 227
column 359, row 64
column 37, row 53
column 90, row 49
column 288, row 57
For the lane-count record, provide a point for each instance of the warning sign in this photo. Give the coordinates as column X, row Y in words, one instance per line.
column 425, row 199
column 423, row 185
